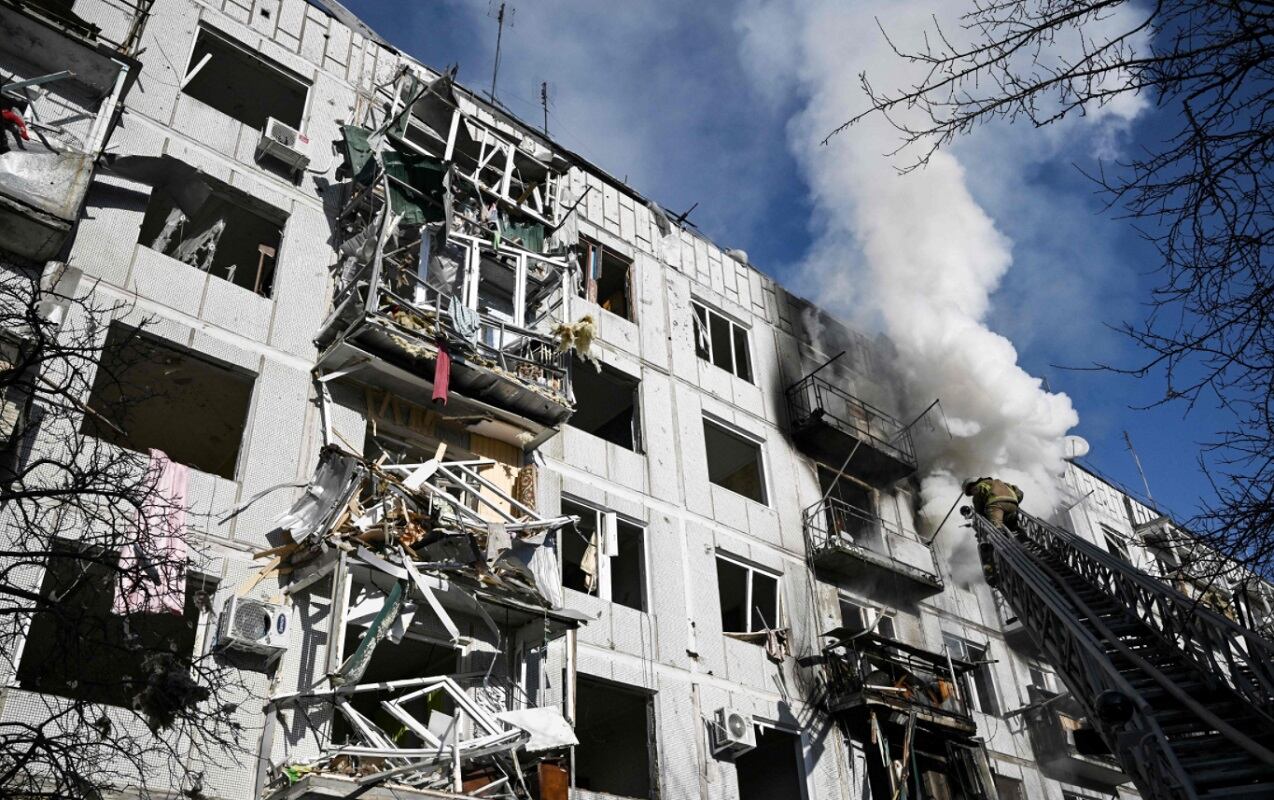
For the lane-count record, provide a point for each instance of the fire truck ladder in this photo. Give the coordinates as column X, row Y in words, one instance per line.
column 1182, row 696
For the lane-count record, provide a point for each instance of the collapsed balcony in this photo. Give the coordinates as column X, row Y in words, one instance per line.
column 847, row 543
column 828, row 423
column 64, row 81
column 453, row 276
column 871, row 675
column 435, row 582
column 1067, row 747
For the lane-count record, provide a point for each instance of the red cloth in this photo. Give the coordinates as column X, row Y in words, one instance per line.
column 442, row 374
column 16, row 119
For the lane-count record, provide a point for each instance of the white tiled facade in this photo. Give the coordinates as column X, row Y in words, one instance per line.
column 675, row 649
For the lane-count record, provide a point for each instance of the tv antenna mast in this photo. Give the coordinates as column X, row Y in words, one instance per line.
column 499, row 14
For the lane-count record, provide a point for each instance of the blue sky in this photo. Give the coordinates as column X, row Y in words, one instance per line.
column 702, row 103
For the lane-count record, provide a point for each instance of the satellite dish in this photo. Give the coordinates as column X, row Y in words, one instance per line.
column 1075, row 447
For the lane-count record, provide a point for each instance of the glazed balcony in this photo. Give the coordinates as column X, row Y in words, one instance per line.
column 849, row 544
column 828, row 422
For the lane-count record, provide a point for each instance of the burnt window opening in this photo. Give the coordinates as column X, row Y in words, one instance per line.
column 615, row 728
column 606, row 404
column 722, row 342
column 1115, row 544
column 413, row 656
column 242, row 83
column 774, row 769
column 977, row 684
column 734, row 461
column 620, row 578
column 607, row 278
column 82, row 650
column 155, row 394
column 749, row 597
column 858, row 618
column 1007, row 788
column 229, row 235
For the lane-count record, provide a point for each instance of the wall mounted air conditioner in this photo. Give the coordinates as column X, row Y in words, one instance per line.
column 284, row 143
column 733, row 732
column 254, row 626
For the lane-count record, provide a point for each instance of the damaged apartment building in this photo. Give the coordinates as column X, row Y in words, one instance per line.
column 504, row 483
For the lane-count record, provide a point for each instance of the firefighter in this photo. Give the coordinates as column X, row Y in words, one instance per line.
column 995, row 499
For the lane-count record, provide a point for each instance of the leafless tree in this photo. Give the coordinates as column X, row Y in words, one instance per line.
column 102, row 699
column 1201, row 190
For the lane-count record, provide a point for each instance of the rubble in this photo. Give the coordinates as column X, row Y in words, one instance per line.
column 420, row 526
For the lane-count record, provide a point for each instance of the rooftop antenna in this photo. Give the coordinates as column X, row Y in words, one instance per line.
column 544, row 102
column 1140, row 471
column 499, row 38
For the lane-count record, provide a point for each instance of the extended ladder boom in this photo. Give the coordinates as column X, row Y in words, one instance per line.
column 1183, row 696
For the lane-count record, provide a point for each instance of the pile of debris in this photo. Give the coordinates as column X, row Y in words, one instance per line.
column 420, row 527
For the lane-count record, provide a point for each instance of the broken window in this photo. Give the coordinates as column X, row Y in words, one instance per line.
column 605, row 403
column 242, row 83
column 1007, row 788
column 749, row 597
column 774, row 769
column 615, row 728
column 722, row 341
column 1115, row 544
column 412, row 656
column 80, row 649
column 150, row 393
column 734, row 461
column 858, row 618
column 586, row 566
column 977, row 684
column 215, row 228
column 606, row 278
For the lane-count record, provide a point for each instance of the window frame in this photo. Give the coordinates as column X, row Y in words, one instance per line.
column 590, row 243
column 605, row 587
column 887, row 616
column 738, row 433
column 969, row 683
column 751, row 571
column 735, row 328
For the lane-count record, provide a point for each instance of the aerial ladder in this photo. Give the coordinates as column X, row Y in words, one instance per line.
column 1182, row 695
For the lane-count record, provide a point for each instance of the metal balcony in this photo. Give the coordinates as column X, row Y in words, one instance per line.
column 868, row 672
column 848, row 543
column 69, row 80
column 828, row 422
column 512, row 381
column 1067, row 749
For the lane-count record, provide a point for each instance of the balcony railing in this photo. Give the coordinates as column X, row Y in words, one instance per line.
column 829, row 421
column 847, row 542
column 870, row 670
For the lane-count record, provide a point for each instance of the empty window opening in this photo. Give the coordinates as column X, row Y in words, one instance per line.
column 606, row 278
column 850, row 509
column 774, row 769
column 977, row 685
column 605, row 404
column 80, row 649
column 215, row 228
column 749, row 597
column 586, row 565
column 722, row 342
column 1008, row 788
column 159, row 395
column 242, row 83
column 615, row 729
column 734, row 461
column 412, row 657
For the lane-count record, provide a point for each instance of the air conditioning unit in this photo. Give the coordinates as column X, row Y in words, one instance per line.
column 254, row 626
column 285, row 143
column 734, row 732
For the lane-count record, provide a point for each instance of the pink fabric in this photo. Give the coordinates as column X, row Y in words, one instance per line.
column 442, row 374
column 153, row 568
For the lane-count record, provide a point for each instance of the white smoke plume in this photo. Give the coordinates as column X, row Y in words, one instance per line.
column 914, row 255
